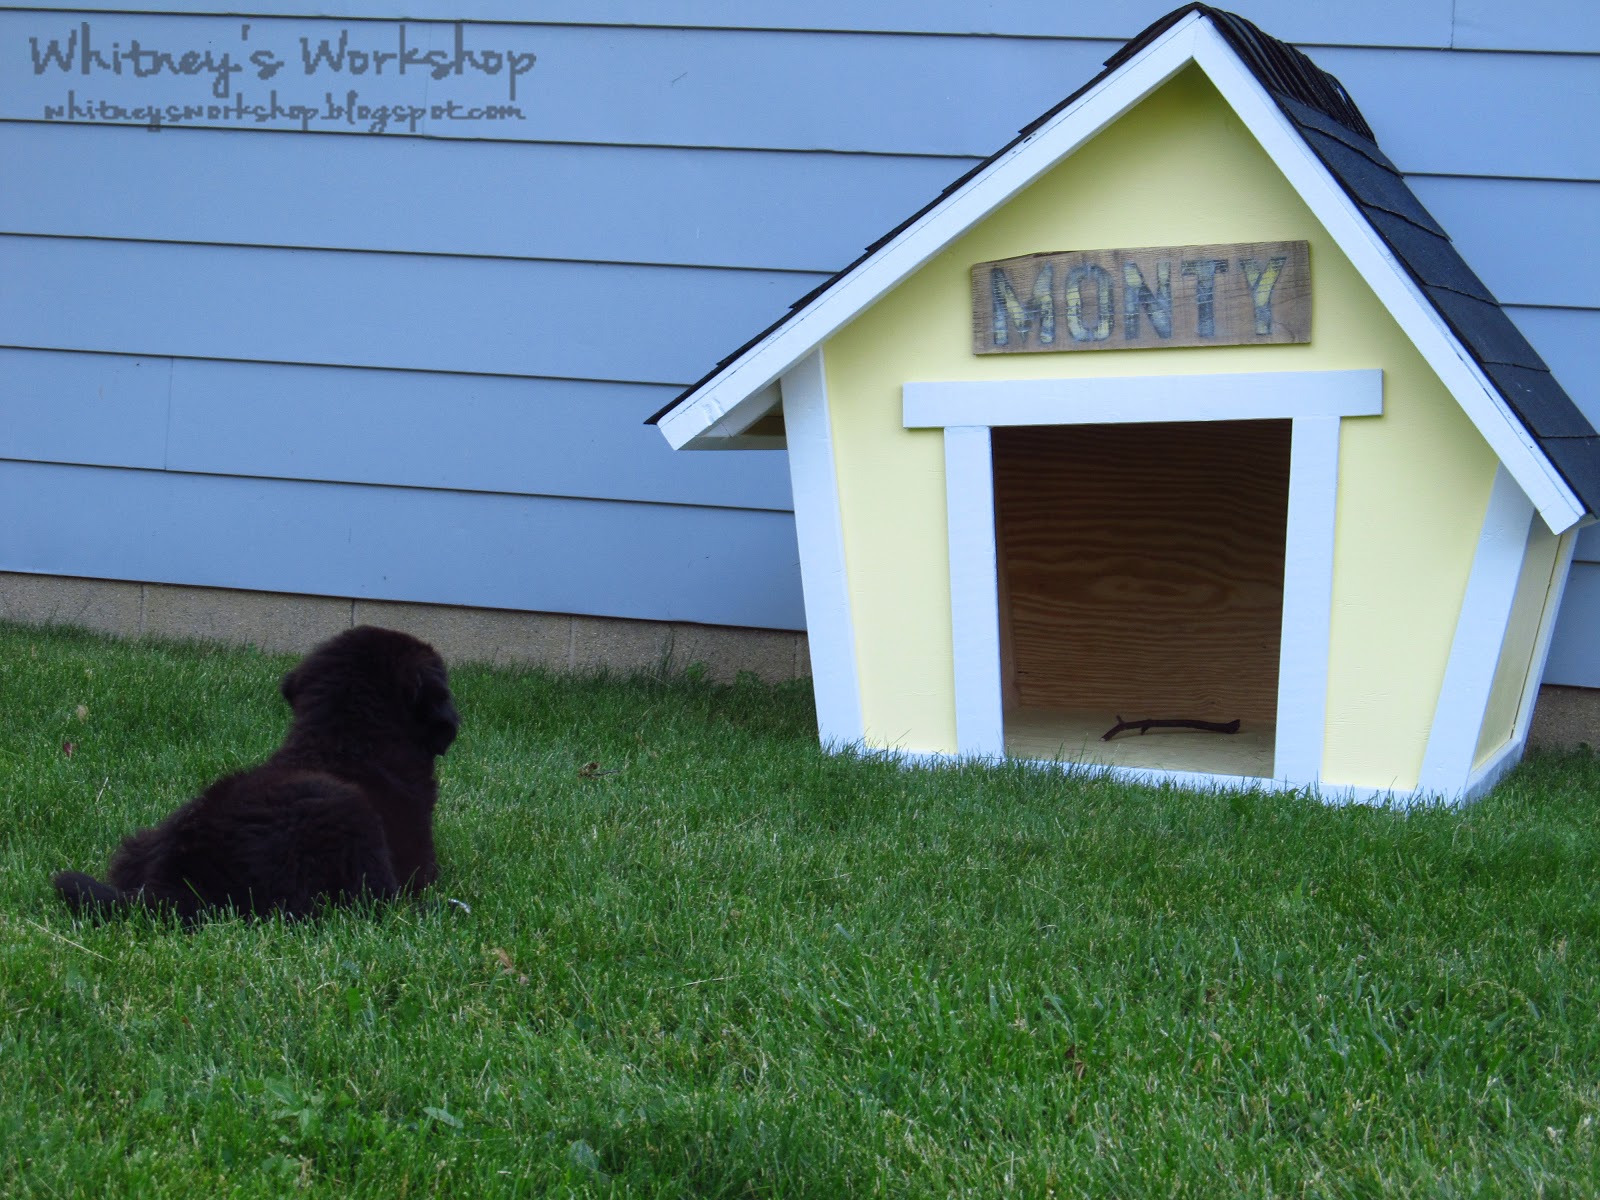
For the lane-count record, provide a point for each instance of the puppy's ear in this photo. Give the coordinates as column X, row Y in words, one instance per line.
column 290, row 687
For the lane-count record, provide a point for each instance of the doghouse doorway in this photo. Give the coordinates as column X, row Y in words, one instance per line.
column 1315, row 403
column 1140, row 575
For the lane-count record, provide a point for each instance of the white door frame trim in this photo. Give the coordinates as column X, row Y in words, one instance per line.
column 1315, row 401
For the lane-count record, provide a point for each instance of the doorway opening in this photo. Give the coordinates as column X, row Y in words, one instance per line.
column 1140, row 575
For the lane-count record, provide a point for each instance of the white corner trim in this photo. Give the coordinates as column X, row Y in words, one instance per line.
column 1412, row 310
column 1267, row 395
column 1480, row 633
column 974, row 591
column 830, row 629
column 1306, row 631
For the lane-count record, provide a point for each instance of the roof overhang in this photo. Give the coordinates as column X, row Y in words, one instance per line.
column 719, row 410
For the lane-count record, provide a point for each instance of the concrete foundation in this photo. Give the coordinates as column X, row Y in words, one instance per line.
column 286, row 623
column 1566, row 717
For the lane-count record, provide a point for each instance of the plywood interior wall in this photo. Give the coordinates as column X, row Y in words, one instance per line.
column 1142, row 566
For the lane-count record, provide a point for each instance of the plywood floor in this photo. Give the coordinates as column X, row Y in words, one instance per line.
column 1049, row 735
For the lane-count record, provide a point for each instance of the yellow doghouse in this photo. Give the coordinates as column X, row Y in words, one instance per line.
column 1180, row 407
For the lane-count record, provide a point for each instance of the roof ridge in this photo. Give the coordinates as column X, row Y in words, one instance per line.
column 1280, row 66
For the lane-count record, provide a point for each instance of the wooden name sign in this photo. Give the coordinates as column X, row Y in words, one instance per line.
column 1232, row 295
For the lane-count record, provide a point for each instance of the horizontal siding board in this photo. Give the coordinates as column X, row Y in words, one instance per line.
column 777, row 211
column 711, row 565
column 1439, row 113
column 84, row 408
column 474, row 433
column 476, row 315
column 406, row 428
column 1356, row 22
column 1509, row 229
column 1568, row 25
column 1575, row 645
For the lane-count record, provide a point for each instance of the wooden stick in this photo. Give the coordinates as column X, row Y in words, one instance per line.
column 1145, row 726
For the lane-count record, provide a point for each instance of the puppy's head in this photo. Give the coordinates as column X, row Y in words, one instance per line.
column 379, row 677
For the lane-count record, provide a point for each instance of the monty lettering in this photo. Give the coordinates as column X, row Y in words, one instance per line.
column 1227, row 295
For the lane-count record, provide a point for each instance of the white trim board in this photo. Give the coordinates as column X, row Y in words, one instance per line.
column 830, row 629
column 1307, row 598
column 1308, row 558
column 738, row 385
column 974, row 596
column 1141, row 399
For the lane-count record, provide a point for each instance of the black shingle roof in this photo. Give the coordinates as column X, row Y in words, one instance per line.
column 1327, row 118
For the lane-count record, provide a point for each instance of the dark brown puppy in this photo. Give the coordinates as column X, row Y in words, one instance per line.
column 343, row 810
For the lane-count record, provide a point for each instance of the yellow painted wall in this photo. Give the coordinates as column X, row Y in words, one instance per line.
column 1522, row 631
column 1180, row 169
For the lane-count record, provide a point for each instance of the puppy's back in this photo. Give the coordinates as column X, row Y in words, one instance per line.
column 274, row 839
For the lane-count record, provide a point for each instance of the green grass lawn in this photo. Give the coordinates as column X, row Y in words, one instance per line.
column 734, row 966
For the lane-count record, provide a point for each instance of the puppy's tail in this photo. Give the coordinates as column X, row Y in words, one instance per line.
column 86, row 895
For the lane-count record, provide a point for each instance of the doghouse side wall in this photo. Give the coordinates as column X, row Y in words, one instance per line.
column 1534, row 584
column 1178, row 169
